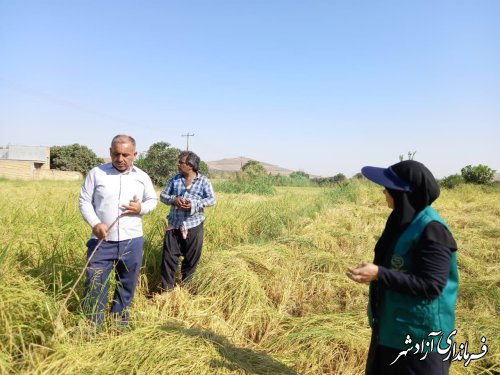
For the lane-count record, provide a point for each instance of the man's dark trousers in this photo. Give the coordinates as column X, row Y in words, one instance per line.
column 126, row 256
column 175, row 246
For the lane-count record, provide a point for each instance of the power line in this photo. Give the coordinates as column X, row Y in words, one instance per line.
column 65, row 102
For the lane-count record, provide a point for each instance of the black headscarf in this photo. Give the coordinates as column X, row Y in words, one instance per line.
column 407, row 205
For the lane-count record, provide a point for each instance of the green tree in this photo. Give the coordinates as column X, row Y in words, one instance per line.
column 479, row 174
column 160, row 162
column 299, row 174
column 203, row 168
column 73, row 157
column 451, row 181
column 340, row 177
column 253, row 168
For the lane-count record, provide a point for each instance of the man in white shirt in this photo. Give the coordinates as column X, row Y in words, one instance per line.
column 110, row 191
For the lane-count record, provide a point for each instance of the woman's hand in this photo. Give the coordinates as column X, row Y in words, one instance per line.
column 364, row 273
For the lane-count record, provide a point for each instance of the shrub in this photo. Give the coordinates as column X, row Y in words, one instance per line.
column 253, row 168
column 329, row 181
column 340, row 177
column 298, row 179
column 451, row 181
column 244, row 184
column 73, row 157
column 479, row 174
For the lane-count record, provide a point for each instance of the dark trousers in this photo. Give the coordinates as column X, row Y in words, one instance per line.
column 380, row 358
column 126, row 257
column 175, row 246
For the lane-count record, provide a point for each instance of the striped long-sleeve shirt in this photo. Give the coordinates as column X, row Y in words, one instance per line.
column 200, row 194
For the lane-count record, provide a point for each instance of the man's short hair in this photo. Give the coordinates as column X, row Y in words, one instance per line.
column 122, row 138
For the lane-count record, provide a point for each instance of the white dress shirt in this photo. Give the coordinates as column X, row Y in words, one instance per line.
column 104, row 192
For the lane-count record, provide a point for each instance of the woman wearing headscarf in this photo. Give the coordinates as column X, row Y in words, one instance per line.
column 413, row 278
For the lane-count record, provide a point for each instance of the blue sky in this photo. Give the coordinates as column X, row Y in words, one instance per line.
column 320, row 86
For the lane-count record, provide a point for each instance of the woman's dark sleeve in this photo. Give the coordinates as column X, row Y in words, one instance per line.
column 431, row 265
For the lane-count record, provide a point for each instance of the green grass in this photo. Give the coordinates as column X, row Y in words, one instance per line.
column 241, row 185
column 269, row 295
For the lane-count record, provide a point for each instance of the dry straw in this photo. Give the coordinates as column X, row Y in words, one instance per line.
column 59, row 327
column 269, row 295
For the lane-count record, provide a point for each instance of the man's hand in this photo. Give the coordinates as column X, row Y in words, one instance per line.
column 100, row 231
column 134, row 207
column 364, row 273
column 182, row 203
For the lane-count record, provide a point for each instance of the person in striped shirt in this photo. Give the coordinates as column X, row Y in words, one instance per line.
column 188, row 193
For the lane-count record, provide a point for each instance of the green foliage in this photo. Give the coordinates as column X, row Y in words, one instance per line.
column 451, row 181
column 340, row 177
column 299, row 179
column 479, row 174
column 261, row 185
column 343, row 192
column 73, row 157
column 358, row 176
column 411, row 155
column 253, row 168
column 299, row 174
column 330, row 181
column 203, row 168
column 160, row 162
column 291, row 181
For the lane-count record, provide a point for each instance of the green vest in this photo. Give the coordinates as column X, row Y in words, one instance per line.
column 401, row 314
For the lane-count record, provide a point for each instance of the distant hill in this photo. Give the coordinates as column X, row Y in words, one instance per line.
column 233, row 165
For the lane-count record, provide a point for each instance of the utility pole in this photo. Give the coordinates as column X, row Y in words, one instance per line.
column 187, row 135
